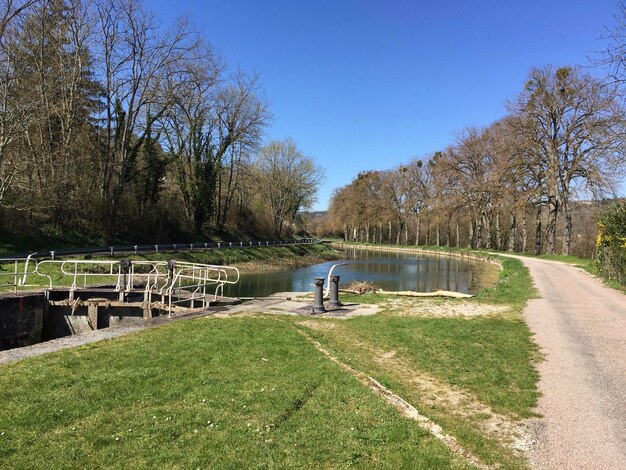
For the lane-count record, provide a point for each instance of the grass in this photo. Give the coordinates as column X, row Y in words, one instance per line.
column 243, row 393
column 514, row 286
column 255, row 255
column 584, row 263
column 491, row 358
column 193, row 394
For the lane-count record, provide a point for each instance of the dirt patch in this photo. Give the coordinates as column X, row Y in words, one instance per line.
column 430, row 308
column 319, row 325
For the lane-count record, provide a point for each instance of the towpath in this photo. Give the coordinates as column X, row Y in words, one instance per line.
column 580, row 326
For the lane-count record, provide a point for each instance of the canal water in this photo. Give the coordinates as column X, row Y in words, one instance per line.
column 389, row 271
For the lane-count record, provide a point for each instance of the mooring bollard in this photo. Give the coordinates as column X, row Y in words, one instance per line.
column 334, row 292
column 318, row 305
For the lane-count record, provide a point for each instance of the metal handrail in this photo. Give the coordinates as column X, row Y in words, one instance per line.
column 201, row 277
column 161, row 277
column 15, row 274
column 71, row 268
column 329, row 274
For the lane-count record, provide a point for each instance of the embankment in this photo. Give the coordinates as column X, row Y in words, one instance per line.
column 253, row 259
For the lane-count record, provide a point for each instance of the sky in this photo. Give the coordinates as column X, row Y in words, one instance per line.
column 369, row 85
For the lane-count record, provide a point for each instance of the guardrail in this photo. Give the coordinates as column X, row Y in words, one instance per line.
column 135, row 249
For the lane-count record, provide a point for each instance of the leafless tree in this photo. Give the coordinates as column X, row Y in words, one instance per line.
column 288, row 179
column 575, row 130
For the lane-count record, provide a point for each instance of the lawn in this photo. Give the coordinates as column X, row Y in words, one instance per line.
column 253, row 392
column 208, row 393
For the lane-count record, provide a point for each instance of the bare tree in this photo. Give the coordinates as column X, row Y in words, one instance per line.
column 135, row 57
column 419, row 175
column 14, row 106
column 239, row 120
column 576, row 130
column 288, row 179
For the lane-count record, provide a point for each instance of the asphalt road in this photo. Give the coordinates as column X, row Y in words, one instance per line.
column 580, row 326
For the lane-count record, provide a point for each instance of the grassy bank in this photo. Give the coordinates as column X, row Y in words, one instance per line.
column 256, row 259
column 251, row 391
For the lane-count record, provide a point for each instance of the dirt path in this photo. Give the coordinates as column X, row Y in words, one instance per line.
column 580, row 325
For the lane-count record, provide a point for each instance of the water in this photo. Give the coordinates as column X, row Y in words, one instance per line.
column 389, row 271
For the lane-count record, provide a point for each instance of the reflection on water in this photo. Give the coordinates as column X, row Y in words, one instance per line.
column 389, row 271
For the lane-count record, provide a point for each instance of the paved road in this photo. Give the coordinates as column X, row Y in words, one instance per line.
column 580, row 325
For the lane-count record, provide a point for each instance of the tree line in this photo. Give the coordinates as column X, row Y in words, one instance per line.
column 504, row 186
column 113, row 126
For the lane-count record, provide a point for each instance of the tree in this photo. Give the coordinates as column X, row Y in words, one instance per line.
column 135, row 58
column 240, row 118
column 614, row 57
column 419, row 175
column 288, row 178
column 574, row 130
column 14, row 105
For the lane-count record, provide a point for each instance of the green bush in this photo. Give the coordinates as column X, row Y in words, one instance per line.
column 611, row 243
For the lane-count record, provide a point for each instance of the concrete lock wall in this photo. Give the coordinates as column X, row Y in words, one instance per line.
column 21, row 320
column 63, row 320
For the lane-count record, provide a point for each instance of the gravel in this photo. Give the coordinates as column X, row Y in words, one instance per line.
column 580, row 326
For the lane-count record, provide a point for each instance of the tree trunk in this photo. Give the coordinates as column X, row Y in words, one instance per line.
column 448, row 235
column 470, row 236
column 538, row 231
column 512, row 233
column 417, row 232
column 498, row 232
column 458, row 234
column 367, row 232
column 553, row 210
column 389, row 240
column 524, row 231
column 427, row 233
column 488, row 232
column 478, row 235
column 406, row 234
column 437, row 234
column 567, row 231
column 399, row 232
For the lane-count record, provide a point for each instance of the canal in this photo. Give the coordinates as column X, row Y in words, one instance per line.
column 387, row 270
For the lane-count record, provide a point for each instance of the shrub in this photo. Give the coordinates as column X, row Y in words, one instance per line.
column 611, row 243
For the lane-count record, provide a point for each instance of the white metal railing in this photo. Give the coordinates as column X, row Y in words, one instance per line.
column 13, row 272
column 80, row 270
column 195, row 279
column 330, row 273
column 18, row 274
column 187, row 282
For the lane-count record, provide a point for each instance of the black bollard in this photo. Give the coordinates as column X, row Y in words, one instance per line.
column 334, row 292
column 318, row 306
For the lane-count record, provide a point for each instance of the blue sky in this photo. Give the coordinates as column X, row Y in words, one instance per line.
column 363, row 85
